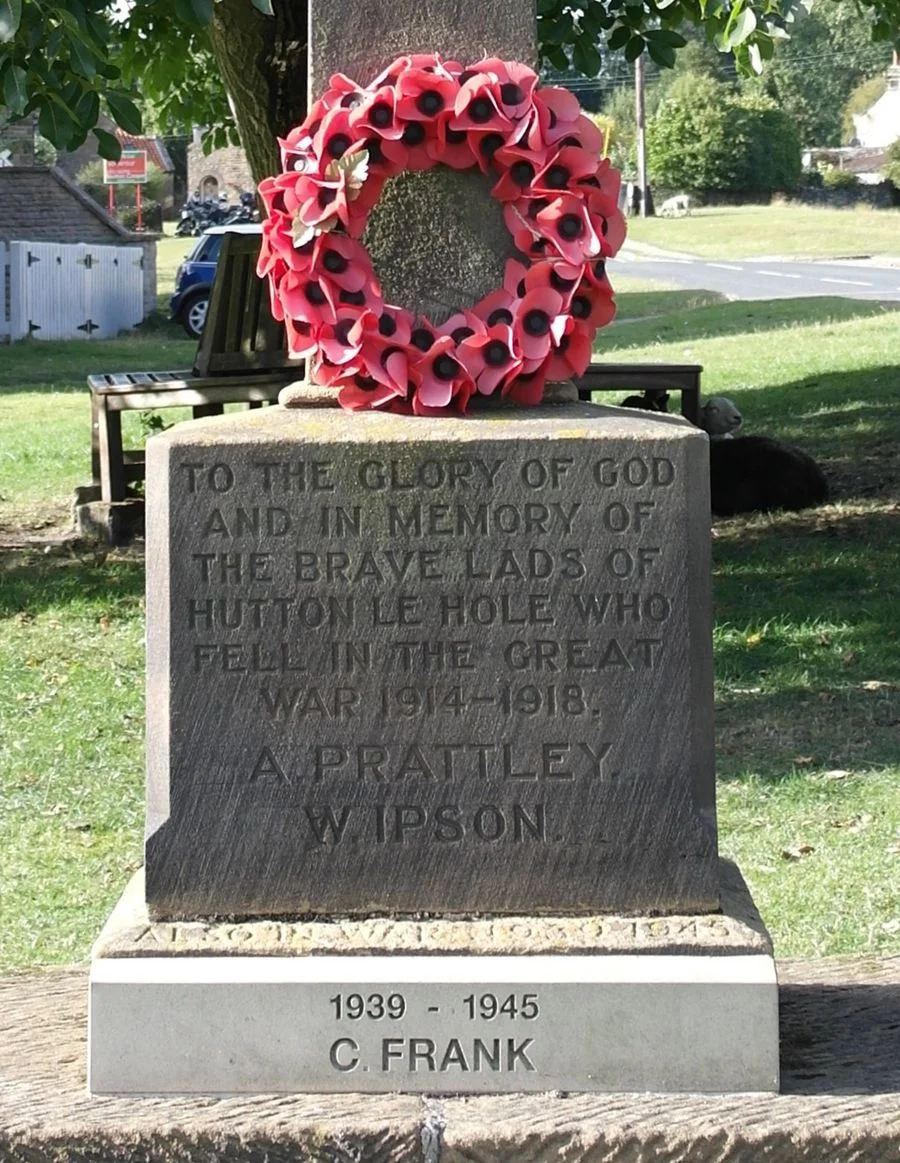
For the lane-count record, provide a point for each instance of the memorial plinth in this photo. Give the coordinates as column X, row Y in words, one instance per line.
column 429, row 765
column 457, row 666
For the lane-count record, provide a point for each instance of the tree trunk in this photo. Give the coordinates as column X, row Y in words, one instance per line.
column 263, row 60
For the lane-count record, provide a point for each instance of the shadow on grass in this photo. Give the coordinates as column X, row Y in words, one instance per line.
column 793, row 734
column 805, row 651
column 33, row 583
column 64, row 366
column 740, row 317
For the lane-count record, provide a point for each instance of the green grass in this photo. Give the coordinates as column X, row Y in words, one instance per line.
column 752, row 231
column 170, row 253
column 807, row 666
column 45, row 417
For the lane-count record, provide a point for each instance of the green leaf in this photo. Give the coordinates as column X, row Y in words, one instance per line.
column 665, row 36
column 83, row 61
column 86, row 110
column 741, row 27
column 662, row 54
column 265, row 6
column 10, row 18
column 125, row 112
column 556, row 56
column 586, row 59
column 108, row 146
column 618, row 38
column 55, row 123
column 15, row 92
column 634, row 48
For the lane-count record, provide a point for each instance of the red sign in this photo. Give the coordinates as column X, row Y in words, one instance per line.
column 130, row 169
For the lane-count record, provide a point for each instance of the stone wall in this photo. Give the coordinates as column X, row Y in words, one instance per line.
column 227, row 169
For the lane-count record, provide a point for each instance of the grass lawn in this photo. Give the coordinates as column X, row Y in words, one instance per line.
column 791, row 231
column 807, row 666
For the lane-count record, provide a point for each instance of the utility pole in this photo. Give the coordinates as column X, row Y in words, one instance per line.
column 641, row 132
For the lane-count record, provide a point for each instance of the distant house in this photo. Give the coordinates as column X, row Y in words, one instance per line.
column 867, row 164
column 880, row 126
column 42, row 204
column 224, row 171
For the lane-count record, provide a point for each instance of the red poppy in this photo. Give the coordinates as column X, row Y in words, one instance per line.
column 539, row 322
column 363, row 393
column 479, row 113
column 426, row 94
column 519, row 166
column 345, row 262
column 563, row 170
column 593, row 305
column 555, row 115
column 513, row 85
column 377, row 114
column 572, row 353
column 302, row 337
column 442, row 377
column 451, row 147
column 490, row 357
column 567, row 225
column 521, row 222
column 527, row 389
column 341, row 342
column 312, row 300
column 386, row 351
column 461, row 326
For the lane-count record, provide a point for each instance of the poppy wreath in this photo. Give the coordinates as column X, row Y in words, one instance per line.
column 560, row 203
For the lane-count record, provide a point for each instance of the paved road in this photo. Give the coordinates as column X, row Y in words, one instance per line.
column 764, row 278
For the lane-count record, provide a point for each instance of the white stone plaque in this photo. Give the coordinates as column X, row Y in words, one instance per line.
column 455, row 1025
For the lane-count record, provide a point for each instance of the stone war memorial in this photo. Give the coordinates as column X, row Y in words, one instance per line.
column 430, row 770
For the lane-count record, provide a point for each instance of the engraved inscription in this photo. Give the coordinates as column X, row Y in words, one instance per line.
column 435, row 650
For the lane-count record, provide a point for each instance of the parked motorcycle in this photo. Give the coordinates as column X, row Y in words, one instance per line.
column 198, row 214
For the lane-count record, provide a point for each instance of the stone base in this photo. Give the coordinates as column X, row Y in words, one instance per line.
column 602, row 1004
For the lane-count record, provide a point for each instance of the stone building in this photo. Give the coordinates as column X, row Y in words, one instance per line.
column 224, row 171
column 42, row 204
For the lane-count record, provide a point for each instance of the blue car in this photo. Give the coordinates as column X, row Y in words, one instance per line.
column 194, row 279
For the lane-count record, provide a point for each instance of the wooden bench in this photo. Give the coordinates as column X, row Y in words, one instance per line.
column 241, row 358
column 643, row 377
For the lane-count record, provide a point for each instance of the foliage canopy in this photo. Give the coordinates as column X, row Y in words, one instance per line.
column 714, row 138
column 70, row 61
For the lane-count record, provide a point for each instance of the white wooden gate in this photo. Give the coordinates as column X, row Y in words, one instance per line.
column 78, row 291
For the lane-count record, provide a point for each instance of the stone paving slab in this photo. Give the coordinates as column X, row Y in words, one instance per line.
column 840, row 1034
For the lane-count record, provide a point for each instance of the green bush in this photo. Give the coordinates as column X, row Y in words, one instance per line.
column 892, row 169
column 835, row 179
column 90, row 178
column 709, row 137
column 151, row 216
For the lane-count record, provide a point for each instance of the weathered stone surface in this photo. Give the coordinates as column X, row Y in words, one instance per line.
column 455, row 666
column 381, row 1024
column 840, row 1101
column 736, row 930
column 437, row 239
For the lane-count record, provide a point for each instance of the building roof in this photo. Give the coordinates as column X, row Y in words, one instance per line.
column 42, row 204
column 157, row 154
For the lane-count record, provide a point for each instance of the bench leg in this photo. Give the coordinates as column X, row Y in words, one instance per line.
column 201, row 410
column 690, row 404
column 95, row 440
column 112, row 461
